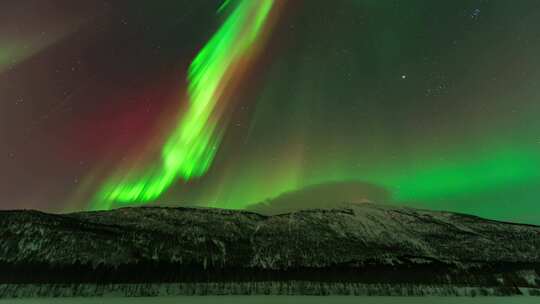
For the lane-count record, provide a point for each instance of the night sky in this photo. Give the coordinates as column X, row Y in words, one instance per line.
column 437, row 102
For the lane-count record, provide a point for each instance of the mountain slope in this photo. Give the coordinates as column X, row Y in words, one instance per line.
column 359, row 244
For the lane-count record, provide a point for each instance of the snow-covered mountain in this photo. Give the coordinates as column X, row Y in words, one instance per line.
column 358, row 245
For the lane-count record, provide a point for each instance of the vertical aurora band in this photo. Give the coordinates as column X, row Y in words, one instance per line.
column 190, row 149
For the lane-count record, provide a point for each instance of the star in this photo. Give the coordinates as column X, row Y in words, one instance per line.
column 475, row 13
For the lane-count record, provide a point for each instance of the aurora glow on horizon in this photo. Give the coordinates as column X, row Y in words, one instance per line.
column 228, row 103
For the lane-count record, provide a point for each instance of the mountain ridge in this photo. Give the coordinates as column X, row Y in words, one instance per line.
column 356, row 244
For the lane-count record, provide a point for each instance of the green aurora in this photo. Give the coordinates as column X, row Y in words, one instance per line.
column 230, row 103
column 467, row 174
column 190, row 149
column 473, row 167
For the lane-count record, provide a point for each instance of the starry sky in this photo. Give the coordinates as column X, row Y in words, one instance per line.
column 437, row 102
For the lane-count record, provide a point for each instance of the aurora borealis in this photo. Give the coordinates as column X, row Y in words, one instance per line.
column 190, row 149
column 229, row 103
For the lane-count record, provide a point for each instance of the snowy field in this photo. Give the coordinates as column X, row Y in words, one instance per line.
column 281, row 300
